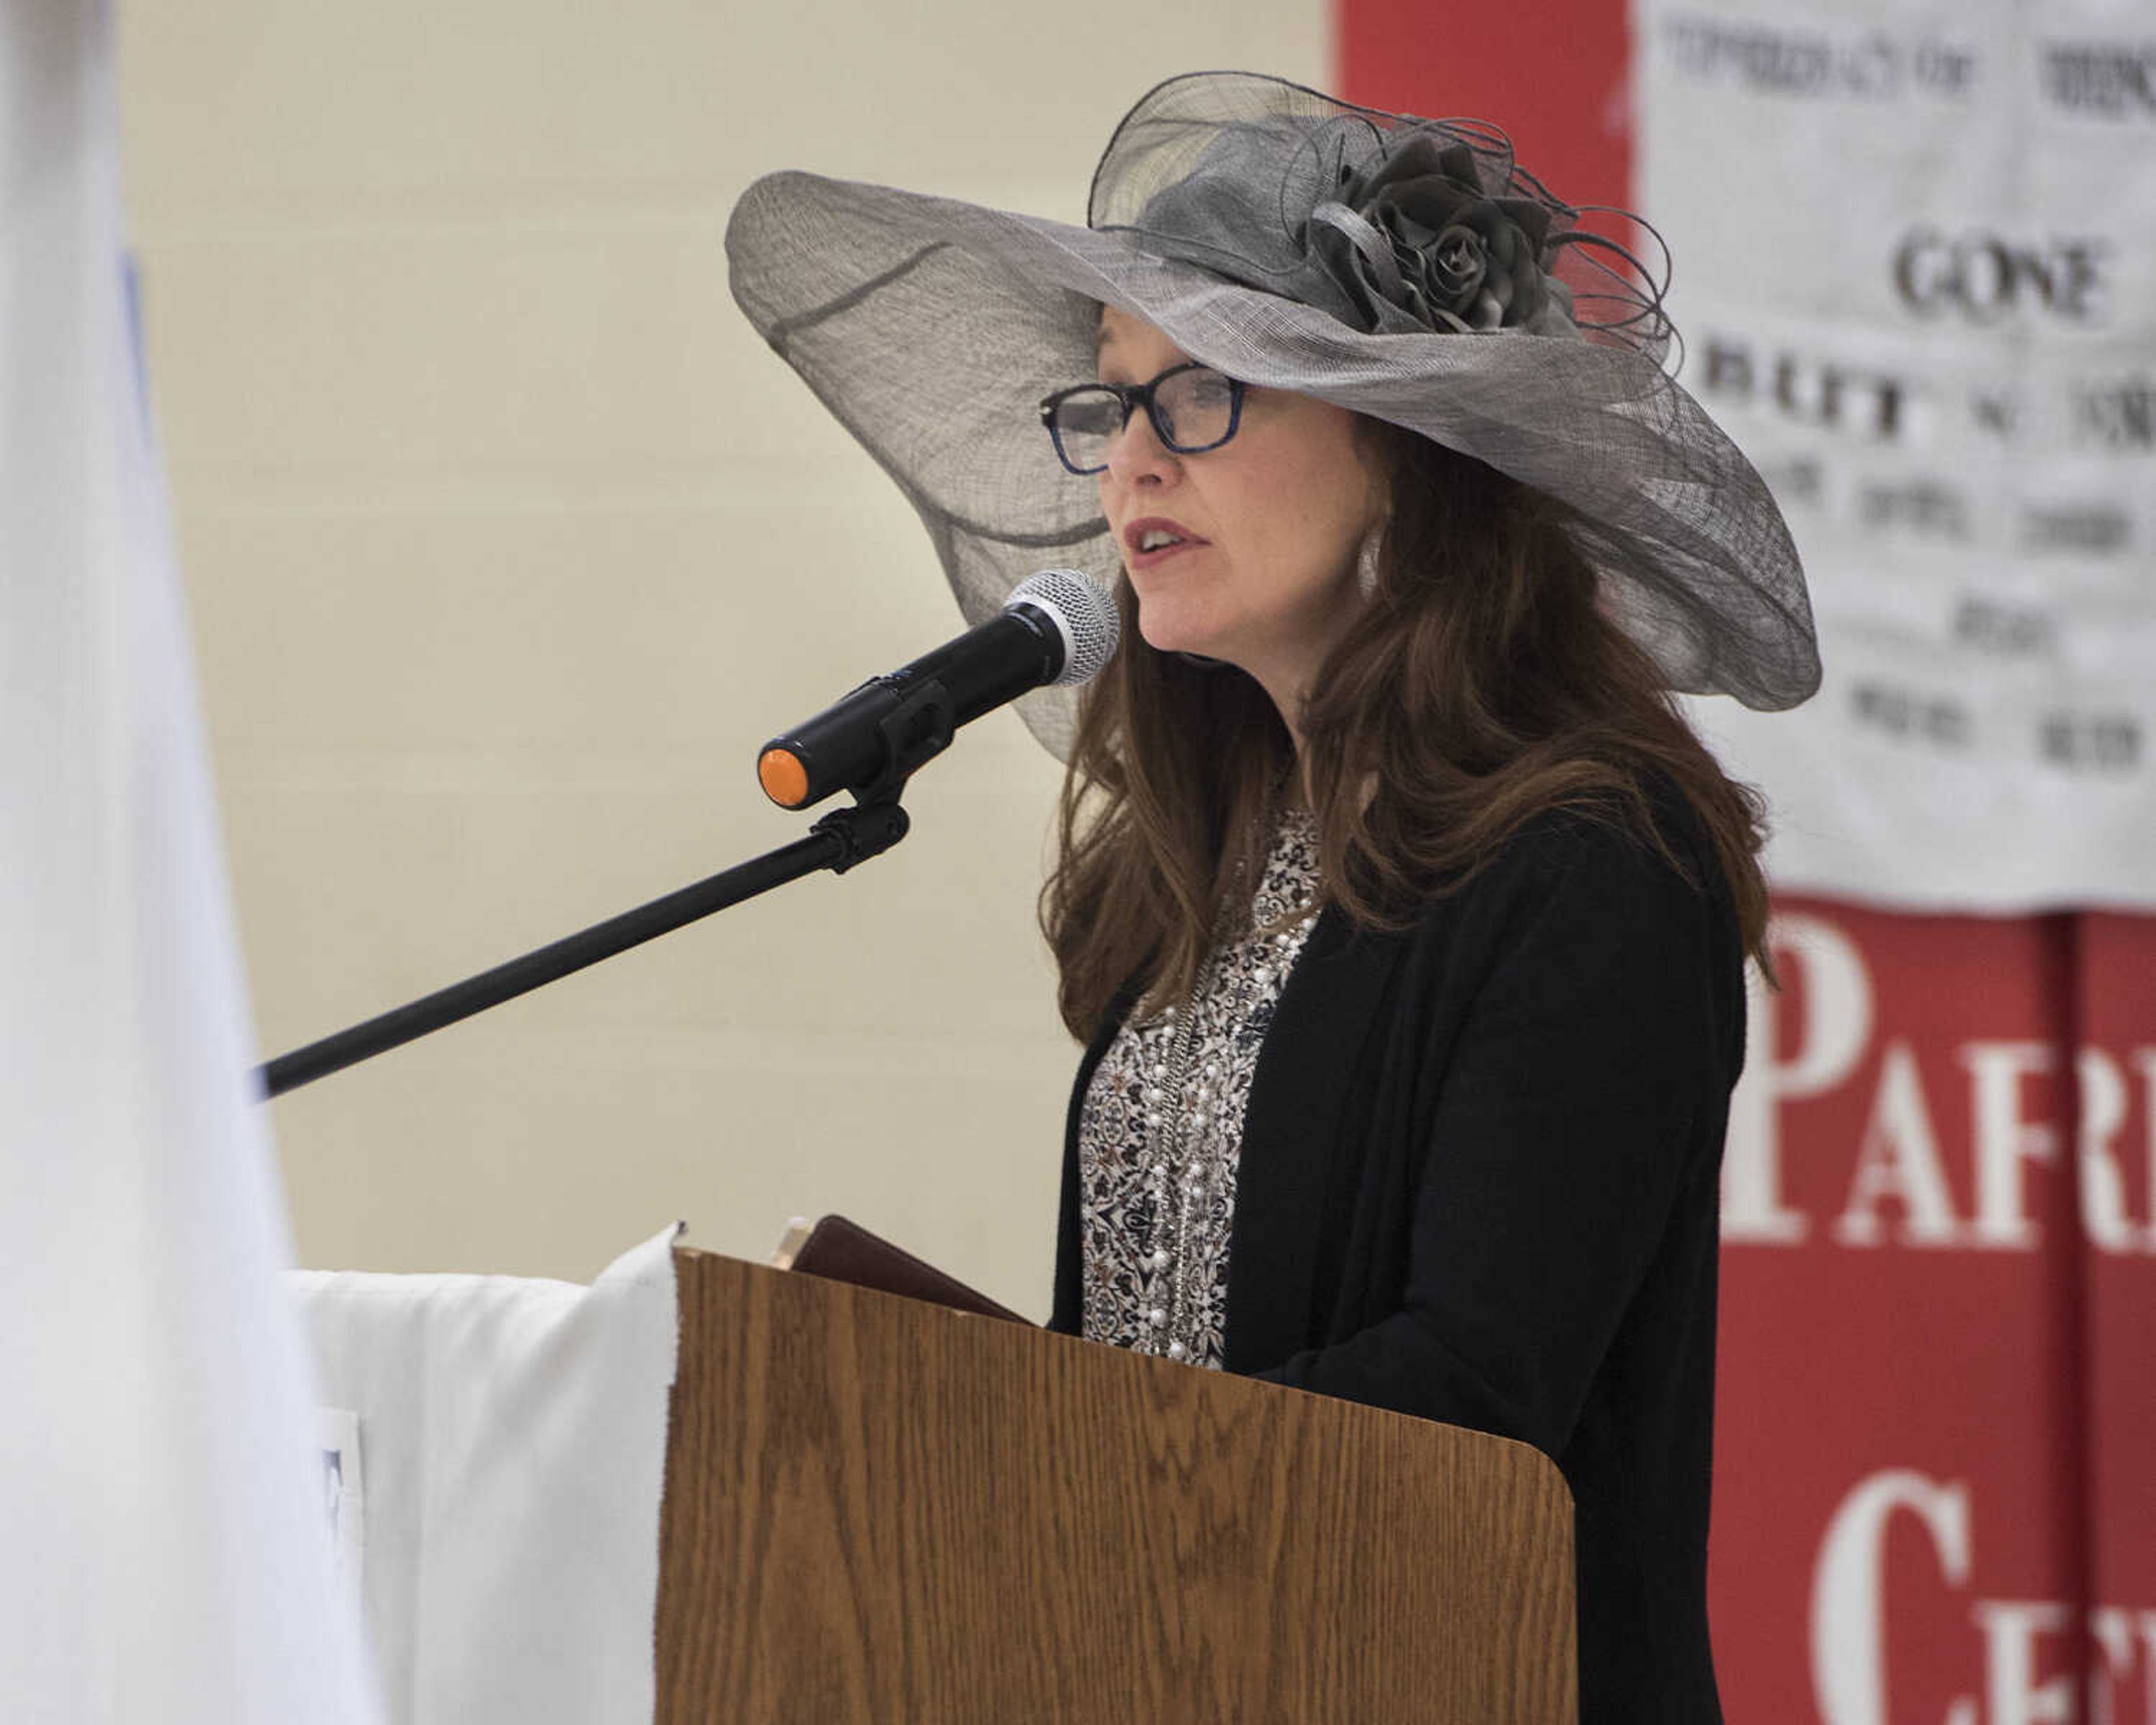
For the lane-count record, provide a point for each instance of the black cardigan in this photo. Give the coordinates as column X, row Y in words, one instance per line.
column 1478, row 1183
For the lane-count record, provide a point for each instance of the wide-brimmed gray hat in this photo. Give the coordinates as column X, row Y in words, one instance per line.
column 1399, row 267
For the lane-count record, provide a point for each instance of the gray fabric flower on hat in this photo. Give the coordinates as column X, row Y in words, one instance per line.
column 1415, row 243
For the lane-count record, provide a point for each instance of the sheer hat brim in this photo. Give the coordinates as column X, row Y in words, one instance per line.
column 932, row 328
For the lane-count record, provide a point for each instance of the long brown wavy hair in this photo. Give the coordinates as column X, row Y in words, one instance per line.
column 1481, row 685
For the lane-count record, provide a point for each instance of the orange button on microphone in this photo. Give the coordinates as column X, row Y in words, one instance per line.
column 784, row 779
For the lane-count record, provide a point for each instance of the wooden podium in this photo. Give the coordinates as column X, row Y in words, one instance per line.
column 877, row 1509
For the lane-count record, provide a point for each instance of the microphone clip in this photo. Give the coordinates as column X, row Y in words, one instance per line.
column 915, row 732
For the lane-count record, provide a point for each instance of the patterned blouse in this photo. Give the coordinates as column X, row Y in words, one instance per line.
column 1161, row 1128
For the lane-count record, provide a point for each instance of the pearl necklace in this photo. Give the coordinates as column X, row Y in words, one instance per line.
column 1177, row 1171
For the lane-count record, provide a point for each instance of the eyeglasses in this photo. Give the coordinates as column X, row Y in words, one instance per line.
column 1192, row 408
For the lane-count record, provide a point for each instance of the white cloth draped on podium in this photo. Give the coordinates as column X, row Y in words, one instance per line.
column 512, row 1443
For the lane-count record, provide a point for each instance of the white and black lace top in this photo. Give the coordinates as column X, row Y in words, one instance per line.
column 1162, row 1129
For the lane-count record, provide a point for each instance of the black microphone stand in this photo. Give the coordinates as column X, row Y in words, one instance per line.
column 919, row 728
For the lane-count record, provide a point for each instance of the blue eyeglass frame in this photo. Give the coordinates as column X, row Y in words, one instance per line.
column 1134, row 396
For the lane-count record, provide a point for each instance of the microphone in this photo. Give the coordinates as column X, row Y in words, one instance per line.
column 1057, row 627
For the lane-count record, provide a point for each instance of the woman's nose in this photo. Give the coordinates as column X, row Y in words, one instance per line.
column 1136, row 454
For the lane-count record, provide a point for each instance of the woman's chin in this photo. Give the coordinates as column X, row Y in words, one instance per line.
column 1165, row 630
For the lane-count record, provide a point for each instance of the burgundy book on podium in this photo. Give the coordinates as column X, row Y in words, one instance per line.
column 841, row 1250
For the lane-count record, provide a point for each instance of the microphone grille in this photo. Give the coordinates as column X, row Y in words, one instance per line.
column 1084, row 615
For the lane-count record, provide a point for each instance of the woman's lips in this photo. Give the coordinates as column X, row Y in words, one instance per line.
column 1137, row 560
column 1134, row 559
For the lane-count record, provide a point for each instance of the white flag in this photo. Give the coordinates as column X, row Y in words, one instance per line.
column 163, row 1551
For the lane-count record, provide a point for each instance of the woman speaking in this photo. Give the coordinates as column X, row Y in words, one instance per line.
column 1402, row 915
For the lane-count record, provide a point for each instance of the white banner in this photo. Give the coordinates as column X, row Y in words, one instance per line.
column 1916, row 251
column 163, row 1552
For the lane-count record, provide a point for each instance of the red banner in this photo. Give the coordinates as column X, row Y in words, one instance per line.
column 1932, row 1495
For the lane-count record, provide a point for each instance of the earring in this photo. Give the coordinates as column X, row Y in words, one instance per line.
column 1366, row 561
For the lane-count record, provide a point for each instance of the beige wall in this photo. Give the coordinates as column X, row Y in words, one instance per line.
column 507, row 543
